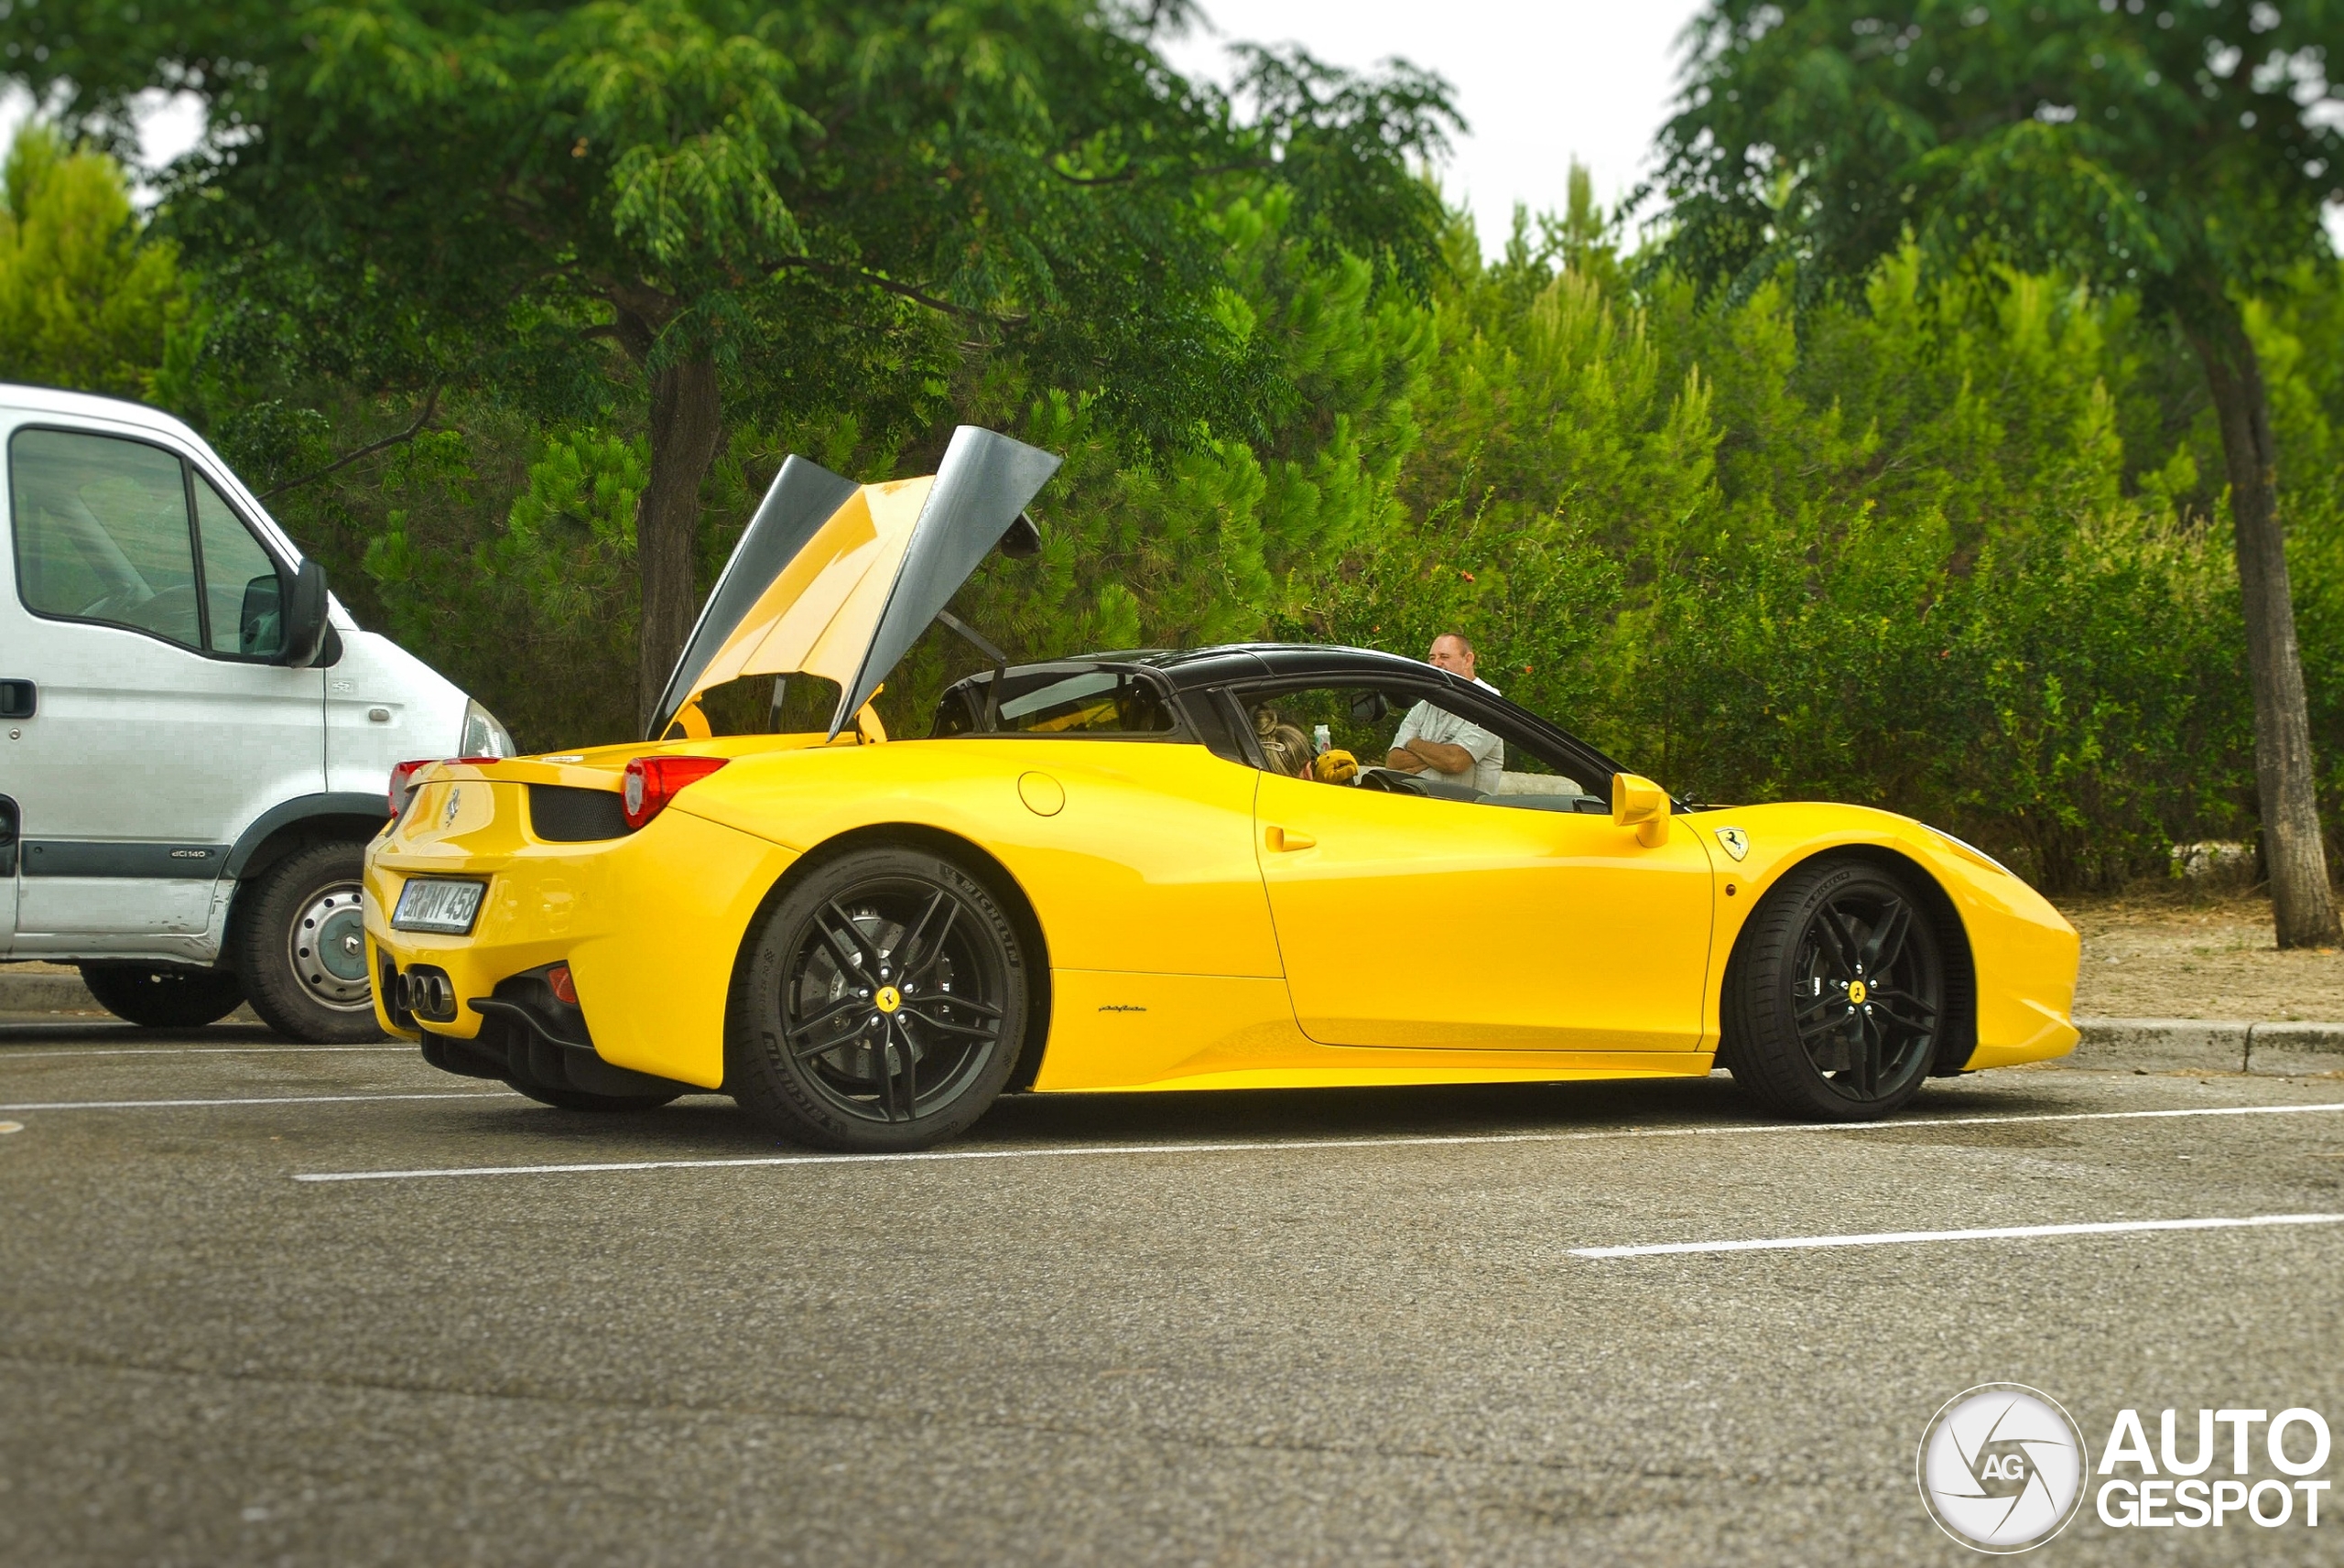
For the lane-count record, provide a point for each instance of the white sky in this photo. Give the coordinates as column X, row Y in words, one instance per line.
column 1539, row 81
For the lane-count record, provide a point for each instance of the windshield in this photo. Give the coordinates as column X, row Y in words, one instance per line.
column 1058, row 702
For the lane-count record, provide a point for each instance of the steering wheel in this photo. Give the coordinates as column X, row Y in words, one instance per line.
column 1392, row 781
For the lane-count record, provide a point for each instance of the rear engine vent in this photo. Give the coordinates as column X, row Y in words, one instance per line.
column 560, row 815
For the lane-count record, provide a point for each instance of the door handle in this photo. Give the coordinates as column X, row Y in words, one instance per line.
column 18, row 699
column 1281, row 840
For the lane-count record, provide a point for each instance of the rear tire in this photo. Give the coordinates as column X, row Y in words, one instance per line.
column 164, row 995
column 301, row 947
column 883, row 1004
column 1834, row 1000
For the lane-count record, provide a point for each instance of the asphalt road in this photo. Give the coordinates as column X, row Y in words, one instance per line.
column 1340, row 1327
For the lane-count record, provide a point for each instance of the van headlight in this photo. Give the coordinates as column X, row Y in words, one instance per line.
column 483, row 736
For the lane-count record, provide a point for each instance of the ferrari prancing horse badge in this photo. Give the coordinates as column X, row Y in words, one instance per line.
column 1736, row 842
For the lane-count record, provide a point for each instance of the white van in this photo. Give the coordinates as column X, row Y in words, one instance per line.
column 195, row 738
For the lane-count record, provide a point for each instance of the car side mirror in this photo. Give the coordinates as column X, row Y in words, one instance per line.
column 305, row 617
column 1368, row 707
column 1640, row 804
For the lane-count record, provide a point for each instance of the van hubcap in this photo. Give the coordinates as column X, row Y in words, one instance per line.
column 328, row 947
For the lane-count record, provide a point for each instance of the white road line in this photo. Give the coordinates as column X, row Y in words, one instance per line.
column 1298, row 1144
column 1991, row 1233
column 269, row 1099
column 7, row 1055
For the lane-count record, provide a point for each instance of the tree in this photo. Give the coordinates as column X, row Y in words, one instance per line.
column 775, row 207
column 2183, row 152
column 86, row 300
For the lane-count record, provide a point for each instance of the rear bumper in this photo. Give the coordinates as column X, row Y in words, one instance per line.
column 513, row 1051
column 650, row 925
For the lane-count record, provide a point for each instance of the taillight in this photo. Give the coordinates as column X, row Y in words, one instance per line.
column 403, row 775
column 652, row 782
column 402, row 780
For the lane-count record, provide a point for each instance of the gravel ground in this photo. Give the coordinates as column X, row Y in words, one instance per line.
column 2164, row 953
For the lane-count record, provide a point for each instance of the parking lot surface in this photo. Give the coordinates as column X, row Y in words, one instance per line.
column 1400, row 1325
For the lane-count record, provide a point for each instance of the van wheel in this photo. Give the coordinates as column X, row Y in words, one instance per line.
column 301, row 947
column 882, row 1007
column 164, row 995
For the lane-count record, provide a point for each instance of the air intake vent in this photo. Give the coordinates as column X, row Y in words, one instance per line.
column 560, row 815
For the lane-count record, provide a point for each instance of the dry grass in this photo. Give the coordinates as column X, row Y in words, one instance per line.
column 2165, row 952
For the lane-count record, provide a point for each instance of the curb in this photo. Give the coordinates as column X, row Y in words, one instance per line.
column 22, row 994
column 2207, row 1045
column 45, row 993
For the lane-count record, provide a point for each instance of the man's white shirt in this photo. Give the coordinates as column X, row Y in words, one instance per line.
column 1427, row 722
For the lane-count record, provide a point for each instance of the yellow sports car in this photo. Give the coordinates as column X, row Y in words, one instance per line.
column 1248, row 867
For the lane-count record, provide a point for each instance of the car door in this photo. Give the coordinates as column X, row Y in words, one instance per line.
column 144, row 616
column 1406, row 920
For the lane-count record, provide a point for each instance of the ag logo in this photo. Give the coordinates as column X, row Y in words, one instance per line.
column 1736, row 842
column 2001, row 1468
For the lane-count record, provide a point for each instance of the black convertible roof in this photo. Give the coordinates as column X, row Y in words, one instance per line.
column 1188, row 668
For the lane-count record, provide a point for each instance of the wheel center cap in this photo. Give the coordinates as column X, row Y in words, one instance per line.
column 1856, row 993
column 888, row 999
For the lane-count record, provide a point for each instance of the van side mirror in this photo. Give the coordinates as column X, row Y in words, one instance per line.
column 260, row 624
column 305, row 617
column 1640, row 804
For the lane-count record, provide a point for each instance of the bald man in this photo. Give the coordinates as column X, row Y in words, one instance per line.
column 1437, row 743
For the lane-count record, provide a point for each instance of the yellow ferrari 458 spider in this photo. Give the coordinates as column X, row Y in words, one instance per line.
column 1215, row 868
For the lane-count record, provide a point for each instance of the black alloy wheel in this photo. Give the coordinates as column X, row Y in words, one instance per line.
column 1835, row 998
column 884, row 1005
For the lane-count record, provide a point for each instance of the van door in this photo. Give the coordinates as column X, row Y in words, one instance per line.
column 7, row 873
column 146, row 616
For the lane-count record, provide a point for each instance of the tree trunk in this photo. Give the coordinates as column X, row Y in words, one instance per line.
column 687, row 421
column 2292, row 851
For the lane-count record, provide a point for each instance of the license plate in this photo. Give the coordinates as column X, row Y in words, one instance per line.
column 429, row 903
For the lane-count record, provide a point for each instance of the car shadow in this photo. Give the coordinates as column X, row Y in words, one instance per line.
column 709, row 1126
column 1426, row 1110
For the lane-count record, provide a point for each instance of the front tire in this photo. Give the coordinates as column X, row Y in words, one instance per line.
column 1835, row 998
column 301, row 947
column 883, row 1004
column 164, row 995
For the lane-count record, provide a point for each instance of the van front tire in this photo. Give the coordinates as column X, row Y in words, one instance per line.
column 302, row 948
